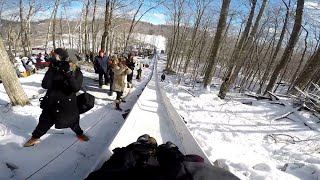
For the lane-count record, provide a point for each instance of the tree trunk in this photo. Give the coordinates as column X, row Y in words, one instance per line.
column 106, row 26
column 290, row 46
column 301, row 59
column 86, row 38
column 275, row 54
column 93, row 30
column 10, row 80
column 108, row 41
column 22, row 31
column 216, row 42
column 54, row 23
column 49, row 27
column 200, row 12
column 307, row 73
column 61, row 33
column 236, row 55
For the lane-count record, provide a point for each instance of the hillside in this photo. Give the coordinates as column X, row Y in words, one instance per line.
column 39, row 29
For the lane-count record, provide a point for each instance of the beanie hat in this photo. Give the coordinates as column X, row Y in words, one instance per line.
column 63, row 54
column 101, row 51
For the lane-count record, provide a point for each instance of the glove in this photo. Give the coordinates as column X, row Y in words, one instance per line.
column 168, row 153
column 64, row 66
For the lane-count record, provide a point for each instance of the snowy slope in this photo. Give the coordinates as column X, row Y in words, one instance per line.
column 59, row 152
column 237, row 136
column 154, row 115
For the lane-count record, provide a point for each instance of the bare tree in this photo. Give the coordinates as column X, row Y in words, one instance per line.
column 216, row 42
column 86, row 34
column 290, row 46
column 136, row 19
column 93, row 28
column 55, row 10
column 307, row 74
column 236, row 54
column 10, row 80
column 178, row 11
column 275, row 54
column 106, row 25
column 201, row 7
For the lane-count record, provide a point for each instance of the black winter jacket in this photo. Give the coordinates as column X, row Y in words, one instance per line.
column 61, row 92
column 101, row 64
column 133, row 162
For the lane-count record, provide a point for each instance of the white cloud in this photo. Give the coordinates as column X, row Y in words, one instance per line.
column 155, row 18
column 159, row 18
column 312, row 5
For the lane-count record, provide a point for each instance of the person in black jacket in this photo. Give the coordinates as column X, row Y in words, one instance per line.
column 130, row 64
column 144, row 160
column 62, row 80
column 101, row 67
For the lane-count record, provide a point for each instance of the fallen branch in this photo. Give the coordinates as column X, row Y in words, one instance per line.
column 273, row 95
column 188, row 91
column 277, row 138
column 285, row 114
column 279, row 103
column 257, row 97
column 247, row 103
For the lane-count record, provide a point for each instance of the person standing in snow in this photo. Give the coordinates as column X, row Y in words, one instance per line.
column 139, row 70
column 163, row 77
column 59, row 106
column 101, row 66
column 110, row 72
column 130, row 64
column 120, row 71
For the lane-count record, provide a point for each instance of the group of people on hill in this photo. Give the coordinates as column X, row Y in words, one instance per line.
column 142, row 159
column 63, row 80
column 116, row 71
column 28, row 65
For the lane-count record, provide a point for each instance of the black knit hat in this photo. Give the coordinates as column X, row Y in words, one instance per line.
column 63, row 54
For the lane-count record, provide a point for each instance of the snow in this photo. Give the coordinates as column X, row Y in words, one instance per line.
column 156, row 40
column 233, row 135
column 59, row 149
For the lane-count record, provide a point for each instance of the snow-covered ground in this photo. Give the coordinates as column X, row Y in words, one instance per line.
column 238, row 137
column 234, row 135
column 59, row 154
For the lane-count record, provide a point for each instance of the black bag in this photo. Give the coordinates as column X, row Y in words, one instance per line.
column 44, row 102
column 85, row 102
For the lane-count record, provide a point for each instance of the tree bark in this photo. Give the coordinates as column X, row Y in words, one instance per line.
column 54, row 23
column 216, row 42
column 106, row 25
column 10, row 80
column 275, row 54
column 236, row 55
column 200, row 12
column 22, row 31
column 86, row 38
column 307, row 73
column 93, row 29
column 290, row 46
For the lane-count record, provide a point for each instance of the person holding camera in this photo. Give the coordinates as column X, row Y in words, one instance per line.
column 59, row 106
column 120, row 71
column 145, row 160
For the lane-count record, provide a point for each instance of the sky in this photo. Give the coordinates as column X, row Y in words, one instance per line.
column 159, row 15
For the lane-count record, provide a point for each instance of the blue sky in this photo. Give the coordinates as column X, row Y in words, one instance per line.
column 159, row 15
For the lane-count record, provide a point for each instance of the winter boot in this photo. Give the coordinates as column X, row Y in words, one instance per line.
column 31, row 142
column 83, row 137
column 118, row 107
